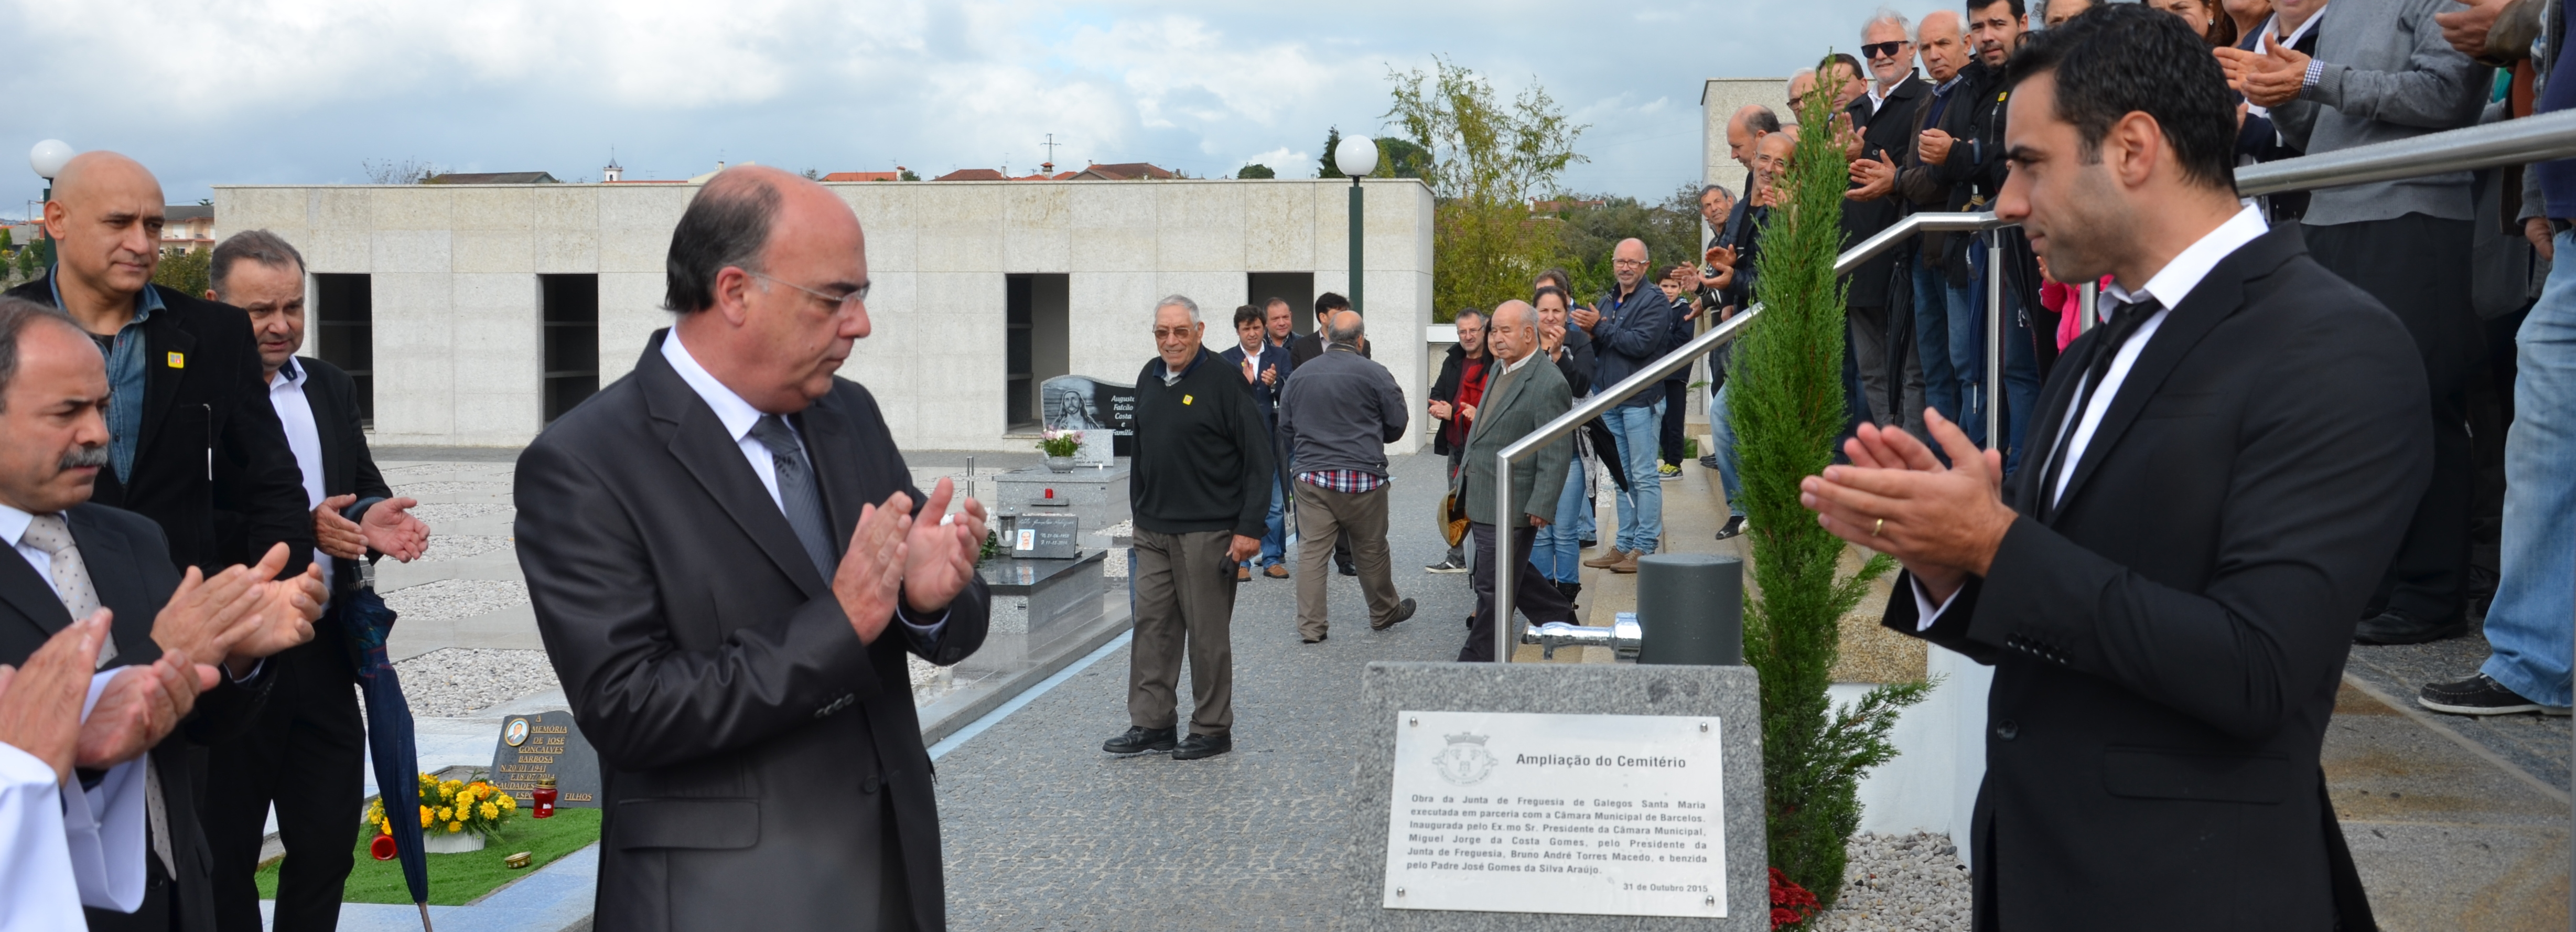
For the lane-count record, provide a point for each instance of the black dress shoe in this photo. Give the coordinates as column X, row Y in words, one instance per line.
column 1317, row 639
column 1140, row 739
column 1569, row 590
column 1587, row 543
column 2480, row 695
column 1734, row 526
column 1197, row 746
column 1403, row 610
column 1349, row 570
column 2396, row 627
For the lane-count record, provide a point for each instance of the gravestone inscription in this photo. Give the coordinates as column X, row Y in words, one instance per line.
column 1046, row 537
column 533, row 747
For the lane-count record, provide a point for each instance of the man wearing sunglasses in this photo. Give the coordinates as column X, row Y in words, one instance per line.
column 1882, row 127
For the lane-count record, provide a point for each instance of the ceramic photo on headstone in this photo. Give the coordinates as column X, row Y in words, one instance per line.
column 1105, row 412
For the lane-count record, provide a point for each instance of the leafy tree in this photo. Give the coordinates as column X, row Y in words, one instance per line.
column 33, row 260
column 812, row 174
column 1787, row 401
column 407, row 171
column 1587, row 231
column 1255, row 170
column 1484, row 161
column 184, row 271
column 907, row 175
column 1401, row 158
column 1324, row 167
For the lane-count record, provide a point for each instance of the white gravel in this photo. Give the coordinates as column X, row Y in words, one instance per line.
column 445, row 547
column 458, row 681
column 1908, row 882
column 455, row 511
column 449, row 599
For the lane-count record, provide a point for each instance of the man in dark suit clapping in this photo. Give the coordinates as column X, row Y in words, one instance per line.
column 728, row 571
column 305, row 750
column 2168, row 585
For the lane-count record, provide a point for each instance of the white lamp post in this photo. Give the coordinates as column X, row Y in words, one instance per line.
column 1356, row 157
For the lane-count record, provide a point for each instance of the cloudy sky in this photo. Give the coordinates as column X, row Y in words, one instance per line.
column 308, row 91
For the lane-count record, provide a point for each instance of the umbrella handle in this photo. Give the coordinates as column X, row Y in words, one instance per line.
column 424, row 918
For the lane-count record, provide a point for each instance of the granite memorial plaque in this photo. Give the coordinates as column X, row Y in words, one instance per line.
column 1046, row 537
column 533, row 747
column 1613, row 815
column 1080, row 402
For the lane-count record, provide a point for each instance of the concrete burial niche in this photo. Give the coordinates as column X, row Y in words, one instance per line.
column 1573, row 797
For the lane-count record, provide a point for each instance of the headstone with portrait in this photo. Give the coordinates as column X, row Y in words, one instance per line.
column 546, row 744
column 1105, row 413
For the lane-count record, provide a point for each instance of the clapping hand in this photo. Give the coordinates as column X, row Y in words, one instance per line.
column 139, row 707
column 288, row 608
column 1721, row 259
column 388, row 528
column 1943, row 523
column 207, row 615
column 941, row 554
column 2270, row 79
column 870, row 577
column 2467, row 29
column 40, row 702
column 1876, row 178
column 1584, row 317
column 1933, row 147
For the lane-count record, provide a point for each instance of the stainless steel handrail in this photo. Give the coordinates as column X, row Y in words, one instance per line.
column 2512, row 142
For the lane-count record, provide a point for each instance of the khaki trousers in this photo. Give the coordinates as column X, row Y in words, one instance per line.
column 1184, row 600
column 1322, row 516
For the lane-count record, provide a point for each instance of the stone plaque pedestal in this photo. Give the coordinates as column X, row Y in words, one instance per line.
column 1094, row 494
column 1034, row 603
column 1585, row 800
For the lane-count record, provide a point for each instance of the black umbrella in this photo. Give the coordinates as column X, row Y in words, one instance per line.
column 367, row 620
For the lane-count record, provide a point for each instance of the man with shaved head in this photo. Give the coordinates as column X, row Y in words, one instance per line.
column 730, row 562
column 190, row 425
column 1522, row 398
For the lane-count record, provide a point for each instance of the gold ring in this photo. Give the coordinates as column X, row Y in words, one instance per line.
column 1880, row 526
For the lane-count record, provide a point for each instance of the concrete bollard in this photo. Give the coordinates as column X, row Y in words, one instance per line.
column 1692, row 607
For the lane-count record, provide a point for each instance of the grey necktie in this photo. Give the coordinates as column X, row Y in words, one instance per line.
column 71, row 584
column 798, row 495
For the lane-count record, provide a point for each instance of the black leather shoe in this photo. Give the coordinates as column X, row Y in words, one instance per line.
column 1349, row 570
column 1197, row 746
column 1734, row 526
column 2480, row 695
column 1140, row 739
column 1403, row 610
column 1317, row 639
column 1570, row 590
column 2396, row 627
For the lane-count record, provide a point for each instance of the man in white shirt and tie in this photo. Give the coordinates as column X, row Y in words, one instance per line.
column 2167, row 591
column 124, row 816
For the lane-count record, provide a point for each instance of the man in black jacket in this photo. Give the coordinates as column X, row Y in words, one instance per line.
column 185, row 372
column 306, row 748
column 2168, row 589
column 1202, row 484
column 1884, row 127
column 1454, row 394
column 72, row 557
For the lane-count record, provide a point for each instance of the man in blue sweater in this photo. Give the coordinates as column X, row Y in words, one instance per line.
column 1632, row 328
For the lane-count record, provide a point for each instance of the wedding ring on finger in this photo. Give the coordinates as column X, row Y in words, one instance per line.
column 1880, row 526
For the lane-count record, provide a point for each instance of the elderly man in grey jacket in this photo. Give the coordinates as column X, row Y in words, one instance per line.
column 1335, row 420
column 1523, row 398
column 2383, row 72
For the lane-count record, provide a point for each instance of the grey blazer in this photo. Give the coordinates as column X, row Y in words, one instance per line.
column 759, row 763
column 1534, row 395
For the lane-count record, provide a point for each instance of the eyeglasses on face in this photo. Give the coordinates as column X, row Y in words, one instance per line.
column 1628, row 263
column 1165, row 334
column 841, row 303
column 1882, row 49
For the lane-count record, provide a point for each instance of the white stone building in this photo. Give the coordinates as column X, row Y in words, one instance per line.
column 475, row 313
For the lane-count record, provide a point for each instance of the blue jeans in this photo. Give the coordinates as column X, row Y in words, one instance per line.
column 1641, row 508
column 1721, row 431
column 2021, row 378
column 2528, row 625
column 1274, row 537
column 1558, row 550
column 1967, row 319
column 1932, row 341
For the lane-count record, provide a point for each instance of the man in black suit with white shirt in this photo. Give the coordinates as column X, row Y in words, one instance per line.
column 305, row 750
column 728, row 575
column 2168, row 585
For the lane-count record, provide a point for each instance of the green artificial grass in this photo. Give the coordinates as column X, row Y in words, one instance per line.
column 458, row 879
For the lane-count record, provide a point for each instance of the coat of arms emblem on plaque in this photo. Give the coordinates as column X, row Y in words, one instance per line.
column 1464, row 760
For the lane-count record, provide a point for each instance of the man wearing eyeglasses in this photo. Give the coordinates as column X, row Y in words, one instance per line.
column 730, row 563
column 1631, row 328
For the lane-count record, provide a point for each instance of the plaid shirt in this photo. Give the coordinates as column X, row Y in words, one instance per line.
column 1345, row 481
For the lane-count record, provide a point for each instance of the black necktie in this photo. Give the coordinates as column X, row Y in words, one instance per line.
column 798, row 496
column 2123, row 325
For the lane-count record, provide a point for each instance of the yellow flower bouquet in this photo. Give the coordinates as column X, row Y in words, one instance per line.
column 449, row 807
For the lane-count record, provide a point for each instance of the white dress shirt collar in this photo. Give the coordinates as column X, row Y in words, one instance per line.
column 13, row 524
column 2173, row 283
column 737, row 415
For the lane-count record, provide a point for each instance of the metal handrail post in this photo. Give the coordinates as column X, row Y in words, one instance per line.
column 2088, row 308
column 1994, row 342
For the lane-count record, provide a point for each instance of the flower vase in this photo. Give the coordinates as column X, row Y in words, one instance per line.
column 436, row 842
column 1060, row 463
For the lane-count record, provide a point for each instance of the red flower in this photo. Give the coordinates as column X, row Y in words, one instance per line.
column 1790, row 904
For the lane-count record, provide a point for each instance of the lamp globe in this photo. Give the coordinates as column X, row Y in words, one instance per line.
column 48, row 158
column 1356, row 156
